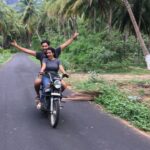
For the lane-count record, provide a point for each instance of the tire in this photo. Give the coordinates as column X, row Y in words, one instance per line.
column 54, row 116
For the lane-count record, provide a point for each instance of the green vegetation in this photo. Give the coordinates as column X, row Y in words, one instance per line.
column 117, row 103
column 107, row 41
column 103, row 53
column 137, row 71
column 147, row 82
column 4, row 55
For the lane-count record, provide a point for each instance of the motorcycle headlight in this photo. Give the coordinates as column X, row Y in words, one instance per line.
column 57, row 84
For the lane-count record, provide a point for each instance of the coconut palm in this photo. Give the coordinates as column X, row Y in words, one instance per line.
column 8, row 23
column 88, row 6
column 29, row 17
column 141, row 11
column 138, row 33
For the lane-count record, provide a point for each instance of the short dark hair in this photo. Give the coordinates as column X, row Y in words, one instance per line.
column 45, row 41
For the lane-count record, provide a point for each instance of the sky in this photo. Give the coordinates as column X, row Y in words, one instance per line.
column 11, row 1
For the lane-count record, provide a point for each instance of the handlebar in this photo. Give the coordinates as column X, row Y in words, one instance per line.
column 63, row 76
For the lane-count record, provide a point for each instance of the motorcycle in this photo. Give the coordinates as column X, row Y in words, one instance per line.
column 51, row 99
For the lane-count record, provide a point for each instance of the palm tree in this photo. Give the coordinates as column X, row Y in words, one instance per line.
column 54, row 11
column 29, row 17
column 141, row 11
column 9, row 23
column 138, row 33
column 79, row 5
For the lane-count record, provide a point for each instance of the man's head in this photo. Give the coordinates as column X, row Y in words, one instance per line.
column 45, row 44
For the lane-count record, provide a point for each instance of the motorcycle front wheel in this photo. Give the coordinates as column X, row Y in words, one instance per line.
column 54, row 114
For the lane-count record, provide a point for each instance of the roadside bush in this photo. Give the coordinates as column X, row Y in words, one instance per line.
column 104, row 51
column 4, row 55
column 117, row 103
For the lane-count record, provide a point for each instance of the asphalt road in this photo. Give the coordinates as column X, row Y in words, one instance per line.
column 82, row 125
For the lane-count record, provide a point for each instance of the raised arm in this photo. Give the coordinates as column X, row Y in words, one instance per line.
column 69, row 41
column 28, row 51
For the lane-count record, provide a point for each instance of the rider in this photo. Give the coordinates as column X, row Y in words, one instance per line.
column 51, row 65
column 40, row 55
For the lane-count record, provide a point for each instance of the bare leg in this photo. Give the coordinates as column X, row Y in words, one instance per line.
column 64, row 85
column 37, row 84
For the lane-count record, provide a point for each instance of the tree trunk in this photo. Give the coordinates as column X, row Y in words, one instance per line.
column 63, row 26
column 5, row 41
column 58, row 25
column 138, row 33
column 38, row 35
column 74, row 23
column 110, row 17
column 37, row 30
column 94, row 22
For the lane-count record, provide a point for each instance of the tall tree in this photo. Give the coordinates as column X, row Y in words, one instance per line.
column 141, row 11
column 138, row 33
column 9, row 23
column 29, row 17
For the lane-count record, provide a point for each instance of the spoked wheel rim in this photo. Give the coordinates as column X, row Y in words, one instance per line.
column 54, row 115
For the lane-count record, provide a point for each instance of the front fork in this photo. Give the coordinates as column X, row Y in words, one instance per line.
column 52, row 102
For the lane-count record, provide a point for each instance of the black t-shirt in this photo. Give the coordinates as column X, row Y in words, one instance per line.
column 41, row 55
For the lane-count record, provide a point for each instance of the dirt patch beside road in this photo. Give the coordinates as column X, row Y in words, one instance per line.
column 119, row 77
column 134, row 85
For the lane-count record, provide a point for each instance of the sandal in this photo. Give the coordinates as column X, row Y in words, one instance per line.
column 39, row 105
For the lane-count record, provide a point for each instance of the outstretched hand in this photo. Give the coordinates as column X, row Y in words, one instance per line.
column 41, row 73
column 13, row 43
column 75, row 35
column 65, row 75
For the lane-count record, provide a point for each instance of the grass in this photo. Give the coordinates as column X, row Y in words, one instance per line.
column 147, row 81
column 117, row 103
column 4, row 55
column 129, row 70
column 138, row 71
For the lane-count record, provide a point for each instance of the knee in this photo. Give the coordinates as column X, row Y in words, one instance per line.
column 64, row 84
column 37, row 81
